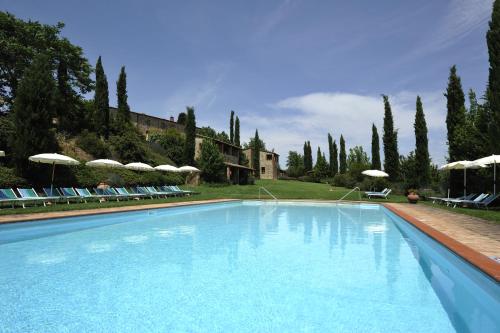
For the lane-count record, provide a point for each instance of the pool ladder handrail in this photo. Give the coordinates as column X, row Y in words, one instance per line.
column 267, row 191
column 354, row 189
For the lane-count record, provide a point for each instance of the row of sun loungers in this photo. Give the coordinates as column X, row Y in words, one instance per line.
column 27, row 196
column 483, row 200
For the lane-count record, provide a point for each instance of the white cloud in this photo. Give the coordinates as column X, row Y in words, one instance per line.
column 462, row 17
column 293, row 120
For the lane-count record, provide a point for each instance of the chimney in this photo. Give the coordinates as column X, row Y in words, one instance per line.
column 172, row 118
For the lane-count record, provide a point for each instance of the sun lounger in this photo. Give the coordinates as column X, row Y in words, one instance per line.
column 53, row 192
column 176, row 188
column 379, row 194
column 144, row 190
column 8, row 195
column 106, row 193
column 486, row 202
column 383, row 191
column 165, row 194
column 85, row 194
column 450, row 200
column 457, row 202
column 71, row 194
column 123, row 191
column 30, row 193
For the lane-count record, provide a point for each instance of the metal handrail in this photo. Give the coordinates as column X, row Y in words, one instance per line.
column 265, row 190
column 354, row 189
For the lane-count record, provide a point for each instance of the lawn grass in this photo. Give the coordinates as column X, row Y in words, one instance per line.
column 282, row 189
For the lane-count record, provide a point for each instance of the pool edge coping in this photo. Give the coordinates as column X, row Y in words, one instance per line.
column 487, row 265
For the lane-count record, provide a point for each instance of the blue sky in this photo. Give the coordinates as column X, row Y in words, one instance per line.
column 294, row 69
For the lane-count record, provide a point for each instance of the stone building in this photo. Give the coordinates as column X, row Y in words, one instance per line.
column 231, row 155
column 269, row 163
column 147, row 124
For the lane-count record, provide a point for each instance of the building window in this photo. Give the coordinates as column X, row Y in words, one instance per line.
column 269, row 157
column 262, row 170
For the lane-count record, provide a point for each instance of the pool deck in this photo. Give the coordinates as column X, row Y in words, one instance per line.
column 474, row 239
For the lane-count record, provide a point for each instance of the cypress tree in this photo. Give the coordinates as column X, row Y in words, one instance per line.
column 101, row 100
column 34, row 107
column 237, row 132
column 342, row 156
column 231, row 127
column 455, row 117
column 309, row 157
column 335, row 167
column 256, row 154
column 190, row 130
column 390, row 139
column 67, row 108
column 376, row 164
column 123, row 113
column 181, row 118
column 493, row 93
column 422, row 160
column 330, row 152
column 305, row 156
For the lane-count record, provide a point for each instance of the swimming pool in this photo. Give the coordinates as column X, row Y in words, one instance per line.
column 242, row 266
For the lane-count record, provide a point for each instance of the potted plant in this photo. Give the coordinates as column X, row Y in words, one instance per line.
column 412, row 196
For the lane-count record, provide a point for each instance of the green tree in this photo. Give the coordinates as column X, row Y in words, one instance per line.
column 21, row 41
column 181, row 118
column 190, row 130
column 321, row 169
column 123, row 112
column 493, row 92
column 34, row 108
column 390, row 139
column 231, row 127
column 376, row 164
column 409, row 171
column 308, row 162
column 455, row 117
column 295, row 164
column 342, row 156
column 237, row 132
column 173, row 142
column 68, row 106
column 332, row 156
column 256, row 147
column 357, row 162
column 211, row 162
column 335, row 166
column 101, row 100
column 422, row 159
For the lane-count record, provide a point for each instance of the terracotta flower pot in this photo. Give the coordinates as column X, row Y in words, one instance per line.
column 413, row 198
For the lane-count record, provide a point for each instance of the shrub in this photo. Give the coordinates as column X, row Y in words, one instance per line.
column 374, row 184
column 343, row 180
column 92, row 144
column 127, row 147
column 172, row 141
column 8, row 178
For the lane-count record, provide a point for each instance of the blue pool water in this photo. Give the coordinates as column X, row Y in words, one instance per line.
column 238, row 267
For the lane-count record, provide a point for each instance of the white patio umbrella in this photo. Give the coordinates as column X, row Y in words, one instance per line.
column 53, row 158
column 104, row 163
column 188, row 168
column 493, row 159
column 2, row 153
column 375, row 173
column 462, row 165
column 138, row 166
column 167, row 168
